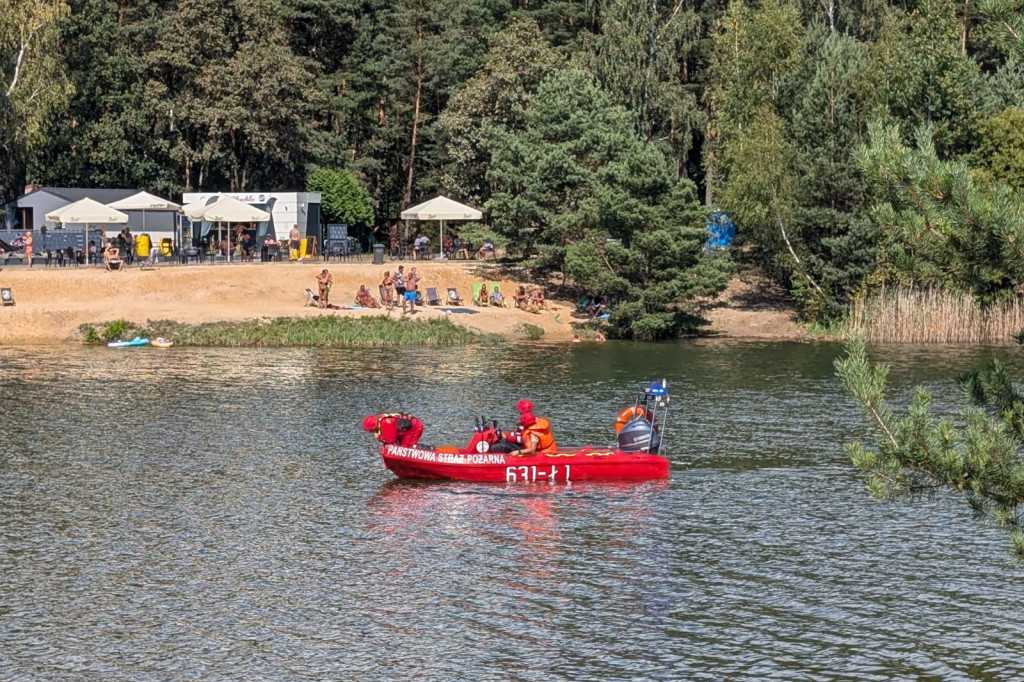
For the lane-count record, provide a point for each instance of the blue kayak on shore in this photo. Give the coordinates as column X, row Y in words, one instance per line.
column 137, row 341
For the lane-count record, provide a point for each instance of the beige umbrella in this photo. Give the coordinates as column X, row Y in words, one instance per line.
column 442, row 209
column 87, row 212
column 225, row 209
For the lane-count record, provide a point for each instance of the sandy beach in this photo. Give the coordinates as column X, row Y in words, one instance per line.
column 52, row 302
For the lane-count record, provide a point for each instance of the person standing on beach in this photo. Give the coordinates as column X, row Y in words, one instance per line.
column 324, row 280
column 389, row 290
column 400, row 285
column 293, row 242
column 28, row 247
column 411, row 287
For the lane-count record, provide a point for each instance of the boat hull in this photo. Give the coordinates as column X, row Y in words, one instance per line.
column 565, row 466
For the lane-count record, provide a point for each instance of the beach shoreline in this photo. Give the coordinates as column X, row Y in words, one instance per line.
column 52, row 302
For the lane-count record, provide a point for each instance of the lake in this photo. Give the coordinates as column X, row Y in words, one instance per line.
column 209, row 514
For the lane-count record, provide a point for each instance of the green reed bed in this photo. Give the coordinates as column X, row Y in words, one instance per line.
column 366, row 332
column 902, row 315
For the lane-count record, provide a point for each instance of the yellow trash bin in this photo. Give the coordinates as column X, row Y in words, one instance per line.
column 166, row 247
column 142, row 244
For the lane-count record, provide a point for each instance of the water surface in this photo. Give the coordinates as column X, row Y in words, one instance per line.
column 219, row 515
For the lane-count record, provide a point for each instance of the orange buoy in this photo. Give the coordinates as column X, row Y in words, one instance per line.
column 627, row 415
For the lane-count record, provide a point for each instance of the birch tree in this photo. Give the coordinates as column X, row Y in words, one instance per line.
column 32, row 84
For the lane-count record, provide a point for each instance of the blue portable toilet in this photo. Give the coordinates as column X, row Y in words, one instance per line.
column 721, row 231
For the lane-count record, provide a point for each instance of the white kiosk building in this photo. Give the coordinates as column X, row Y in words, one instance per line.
column 285, row 209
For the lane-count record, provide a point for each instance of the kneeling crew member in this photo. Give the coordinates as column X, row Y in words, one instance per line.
column 537, row 438
column 395, row 429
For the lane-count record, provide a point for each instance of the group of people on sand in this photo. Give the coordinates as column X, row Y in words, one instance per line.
column 533, row 302
column 532, row 435
column 404, row 286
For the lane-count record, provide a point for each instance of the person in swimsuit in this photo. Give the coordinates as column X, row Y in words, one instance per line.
column 28, row 248
column 389, row 289
column 400, row 285
column 324, row 280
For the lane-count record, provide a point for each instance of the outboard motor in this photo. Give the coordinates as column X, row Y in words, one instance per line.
column 645, row 421
column 639, row 435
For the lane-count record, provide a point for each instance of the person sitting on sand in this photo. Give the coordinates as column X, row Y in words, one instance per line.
column 497, row 298
column 484, row 294
column 112, row 257
column 364, row 298
column 324, row 281
column 537, row 300
column 521, row 297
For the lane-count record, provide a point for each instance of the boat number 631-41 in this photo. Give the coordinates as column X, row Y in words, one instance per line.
column 533, row 473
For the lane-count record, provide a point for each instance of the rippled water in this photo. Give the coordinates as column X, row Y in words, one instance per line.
column 219, row 515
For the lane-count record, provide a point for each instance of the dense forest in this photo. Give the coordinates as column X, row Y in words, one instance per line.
column 852, row 143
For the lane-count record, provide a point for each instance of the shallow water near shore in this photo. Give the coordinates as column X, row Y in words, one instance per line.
column 218, row 514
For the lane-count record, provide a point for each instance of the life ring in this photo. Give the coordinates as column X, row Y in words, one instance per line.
column 629, row 414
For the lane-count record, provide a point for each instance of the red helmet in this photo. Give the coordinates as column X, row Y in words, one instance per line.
column 525, row 406
column 370, row 423
column 527, row 419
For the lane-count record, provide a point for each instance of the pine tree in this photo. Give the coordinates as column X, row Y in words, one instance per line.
column 978, row 455
column 939, row 223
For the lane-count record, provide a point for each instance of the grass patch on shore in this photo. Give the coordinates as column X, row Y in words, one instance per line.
column 531, row 331
column 284, row 332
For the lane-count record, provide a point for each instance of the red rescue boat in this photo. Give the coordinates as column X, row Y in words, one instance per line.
column 637, row 455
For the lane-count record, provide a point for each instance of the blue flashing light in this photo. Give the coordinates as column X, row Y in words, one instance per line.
column 657, row 388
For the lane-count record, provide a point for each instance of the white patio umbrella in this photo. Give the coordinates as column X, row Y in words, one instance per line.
column 87, row 212
column 225, row 209
column 442, row 209
column 144, row 201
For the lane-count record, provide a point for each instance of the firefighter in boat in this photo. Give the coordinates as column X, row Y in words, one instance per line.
column 537, row 438
column 394, row 429
column 516, row 436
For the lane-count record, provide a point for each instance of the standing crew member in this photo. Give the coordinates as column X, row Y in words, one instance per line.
column 537, row 438
column 395, row 429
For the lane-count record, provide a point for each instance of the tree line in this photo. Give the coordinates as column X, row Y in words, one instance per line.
column 851, row 144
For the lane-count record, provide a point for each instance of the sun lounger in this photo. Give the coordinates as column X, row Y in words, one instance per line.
column 311, row 298
column 453, row 296
column 433, row 298
column 6, row 296
column 476, row 293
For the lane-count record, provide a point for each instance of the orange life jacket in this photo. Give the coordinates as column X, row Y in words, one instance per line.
column 628, row 414
column 542, row 430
